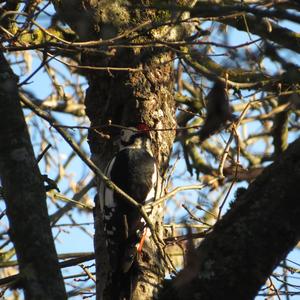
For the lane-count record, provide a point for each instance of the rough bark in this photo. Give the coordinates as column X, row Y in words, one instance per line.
column 259, row 230
column 25, row 199
column 126, row 98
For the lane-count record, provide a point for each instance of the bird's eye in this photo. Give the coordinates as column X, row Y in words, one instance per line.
column 122, row 133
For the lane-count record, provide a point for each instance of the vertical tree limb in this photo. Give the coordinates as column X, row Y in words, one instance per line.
column 25, row 198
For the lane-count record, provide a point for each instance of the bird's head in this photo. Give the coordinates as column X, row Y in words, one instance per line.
column 135, row 136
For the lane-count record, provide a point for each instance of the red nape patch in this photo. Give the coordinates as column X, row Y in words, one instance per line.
column 142, row 127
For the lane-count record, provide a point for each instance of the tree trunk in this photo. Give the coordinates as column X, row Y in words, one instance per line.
column 140, row 91
column 25, row 198
column 124, row 98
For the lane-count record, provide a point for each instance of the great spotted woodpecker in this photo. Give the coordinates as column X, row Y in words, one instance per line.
column 134, row 170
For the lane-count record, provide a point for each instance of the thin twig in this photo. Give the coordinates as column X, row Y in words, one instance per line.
column 67, row 199
column 88, row 273
column 180, row 189
column 43, row 153
column 193, row 217
column 226, row 150
column 64, row 264
column 235, row 178
column 96, row 68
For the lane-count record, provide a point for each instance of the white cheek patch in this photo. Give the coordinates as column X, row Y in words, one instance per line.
column 126, row 134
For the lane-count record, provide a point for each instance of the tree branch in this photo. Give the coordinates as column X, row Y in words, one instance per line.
column 258, row 231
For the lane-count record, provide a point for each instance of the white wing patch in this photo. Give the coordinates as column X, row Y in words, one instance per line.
column 154, row 194
column 106, row 194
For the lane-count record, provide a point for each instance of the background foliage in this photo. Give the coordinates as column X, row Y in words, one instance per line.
column 252, row 46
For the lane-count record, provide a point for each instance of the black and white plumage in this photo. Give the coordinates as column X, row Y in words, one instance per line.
column 134, row 170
